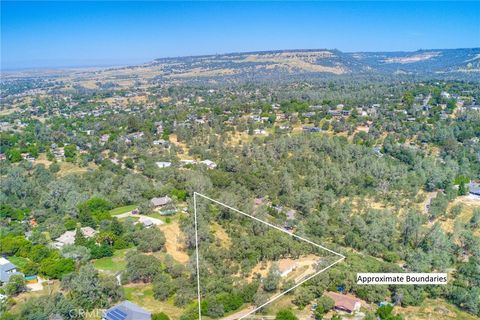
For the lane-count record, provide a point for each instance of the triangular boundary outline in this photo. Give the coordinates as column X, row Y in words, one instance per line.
column 275, row 297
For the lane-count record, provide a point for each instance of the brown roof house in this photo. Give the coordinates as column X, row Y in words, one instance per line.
column 285, row 266
column 345, row 302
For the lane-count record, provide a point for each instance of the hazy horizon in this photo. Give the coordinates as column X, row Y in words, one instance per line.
column 62, row 64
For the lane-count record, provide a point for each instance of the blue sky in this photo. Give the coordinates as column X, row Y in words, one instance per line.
column 55, row 34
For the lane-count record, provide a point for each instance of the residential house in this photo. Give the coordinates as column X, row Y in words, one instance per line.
column 7, row 269
column 160, row 202
column 290, row 215
column 311, row 129
column 59, row 153
column 159, row 126
column 163, row 164
column 161, row 142
column 258, row 201
column 147, row 223
column 308, row 114
column 335, row 113
column 185, row 162
column 259, row 131
column 445, row 95
column 474, row 189
column 104, row 138
column 69, row 236
column 345, row 302
column 209, row 163
column 135, row 135
column 28, row 157
column 126, row 310
column 285, row 266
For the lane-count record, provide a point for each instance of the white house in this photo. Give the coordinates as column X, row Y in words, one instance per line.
column 69, row 236
column 163, row 164
column 210, row 164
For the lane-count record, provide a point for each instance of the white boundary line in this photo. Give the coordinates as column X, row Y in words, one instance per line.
column 195, row 194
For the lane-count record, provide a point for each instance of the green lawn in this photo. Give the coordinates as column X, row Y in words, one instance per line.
column 112, row 264
column 157, row 215
column 124, row 209
column 18, row 261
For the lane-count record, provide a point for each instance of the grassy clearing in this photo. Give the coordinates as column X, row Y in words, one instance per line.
column 434, row 309
column 23, row 297
column 124, row 209
column 18, row 261
column 142, row 294
column 157, row 215
column 67, row 168
column 112, row 264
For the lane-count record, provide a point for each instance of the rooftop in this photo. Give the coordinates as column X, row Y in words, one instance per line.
column 161, row 201
column 127, row 310
column 285, row 265
column 345, row 302
column 474, row 187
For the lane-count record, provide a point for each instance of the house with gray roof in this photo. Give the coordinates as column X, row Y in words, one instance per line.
column 7, row 269
column 160, row 202
column 126, row 310
column 474, row 189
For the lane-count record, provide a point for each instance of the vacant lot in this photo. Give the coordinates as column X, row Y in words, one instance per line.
column 142, row 294
column 434, row 309
column 468, row 205
column 174, row 244
column 112, row 264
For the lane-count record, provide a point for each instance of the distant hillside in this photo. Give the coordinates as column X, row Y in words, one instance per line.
column 423, row 61
column 288, row 64
column 316, row 62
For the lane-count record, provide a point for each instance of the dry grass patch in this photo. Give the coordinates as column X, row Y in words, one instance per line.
column 174, row 140
column 47, row 289
column 221, row 235
column 468, row 205
column 67, row 168
column 142, row 294
column 434, row 309
column 174, row 244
